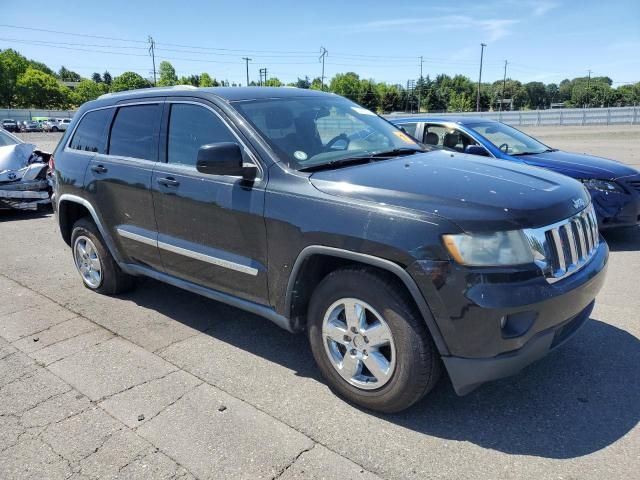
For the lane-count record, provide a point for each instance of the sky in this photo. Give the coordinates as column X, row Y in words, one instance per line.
column 545, row 40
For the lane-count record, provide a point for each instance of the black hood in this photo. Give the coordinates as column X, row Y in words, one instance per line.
column 478, row 195
column 580, row 165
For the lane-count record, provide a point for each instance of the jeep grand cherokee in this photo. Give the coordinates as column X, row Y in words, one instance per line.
column 307, row 209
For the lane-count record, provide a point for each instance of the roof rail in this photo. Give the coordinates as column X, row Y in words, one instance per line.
column 153, row 89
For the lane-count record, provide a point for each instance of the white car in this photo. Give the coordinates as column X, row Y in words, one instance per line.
column 56, row 124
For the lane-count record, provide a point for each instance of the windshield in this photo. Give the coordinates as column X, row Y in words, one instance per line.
column 7, row 139
column 508, row 139
column 312, row 131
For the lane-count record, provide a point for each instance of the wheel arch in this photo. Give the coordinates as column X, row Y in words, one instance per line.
column 70, row 208
column 305, row 271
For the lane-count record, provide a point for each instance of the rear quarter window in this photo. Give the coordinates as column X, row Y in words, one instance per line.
column 91, row 134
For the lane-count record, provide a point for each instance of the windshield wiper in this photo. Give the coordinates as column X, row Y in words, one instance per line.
column 361, row 159
column 534, row 153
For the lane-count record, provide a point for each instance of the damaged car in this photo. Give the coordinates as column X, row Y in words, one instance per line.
column 614, row 186
column 24, row 175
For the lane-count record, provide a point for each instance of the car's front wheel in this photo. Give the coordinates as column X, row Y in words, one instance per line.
column 97, row 268
column 369, row 342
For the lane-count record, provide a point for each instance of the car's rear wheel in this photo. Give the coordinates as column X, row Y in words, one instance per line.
column 97, row 268
column 369, row 342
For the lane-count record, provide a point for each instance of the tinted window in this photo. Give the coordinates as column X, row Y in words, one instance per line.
column 133, row 133
column 190, row 127
column 90, row 136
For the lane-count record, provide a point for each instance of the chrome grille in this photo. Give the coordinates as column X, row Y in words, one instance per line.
column 564, row 247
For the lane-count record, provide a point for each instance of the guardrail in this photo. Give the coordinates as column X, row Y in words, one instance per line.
column 560, row 116
column 20, row 114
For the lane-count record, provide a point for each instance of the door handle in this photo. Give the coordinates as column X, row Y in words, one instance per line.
column 168, row 182
column 99, row 169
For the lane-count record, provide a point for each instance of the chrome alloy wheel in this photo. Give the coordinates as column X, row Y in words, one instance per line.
column 87, row 261
column 359, row 343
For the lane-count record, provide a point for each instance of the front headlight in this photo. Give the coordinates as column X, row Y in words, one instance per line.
column 493, row 249
column 602, row 185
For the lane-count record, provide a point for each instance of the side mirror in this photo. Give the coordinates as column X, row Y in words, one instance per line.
column 224, row 158
column 476, row 150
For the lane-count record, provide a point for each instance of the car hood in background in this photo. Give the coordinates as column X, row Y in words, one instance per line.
column 477, row 194
column 579, row 165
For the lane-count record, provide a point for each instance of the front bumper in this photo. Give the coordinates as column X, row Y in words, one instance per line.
column 495, row 323
column 619, row 209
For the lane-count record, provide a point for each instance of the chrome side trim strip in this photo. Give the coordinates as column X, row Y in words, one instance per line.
column 138, row 238
column 220, row 262
column 208, row 258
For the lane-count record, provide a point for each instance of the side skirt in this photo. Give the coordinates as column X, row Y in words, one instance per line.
column 257, row 309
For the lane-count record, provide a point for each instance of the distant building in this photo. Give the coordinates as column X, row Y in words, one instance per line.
column 71, row 85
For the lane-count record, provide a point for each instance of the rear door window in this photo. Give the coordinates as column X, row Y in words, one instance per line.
column 134, row 132
column 90, row 136
column 410, row 128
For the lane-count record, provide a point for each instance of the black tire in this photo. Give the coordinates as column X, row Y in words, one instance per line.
column 54, row 129
column 418, row 365
column 113, row 279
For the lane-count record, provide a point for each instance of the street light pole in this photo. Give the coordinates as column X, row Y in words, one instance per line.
column 482, row 45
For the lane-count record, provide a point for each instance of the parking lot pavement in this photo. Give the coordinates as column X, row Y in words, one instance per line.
column 161, row 383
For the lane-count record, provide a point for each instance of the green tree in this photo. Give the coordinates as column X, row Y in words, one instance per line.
column 12, row 66
column 42, row 67
column 128, row 81
column 40, row 90
column 88, row 90
column 106, row 78
column 96, row 77
column 168, row 75
column 537, row 94
column 346, row 84
column 207, row 81
column 68, row 75
column 302, row 83
column 460, row 102
column 273, row 82
column 316, row 84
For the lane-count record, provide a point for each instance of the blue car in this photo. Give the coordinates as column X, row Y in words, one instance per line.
column 614, row 186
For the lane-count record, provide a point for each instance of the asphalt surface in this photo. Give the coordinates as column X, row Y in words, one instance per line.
column 161, row 383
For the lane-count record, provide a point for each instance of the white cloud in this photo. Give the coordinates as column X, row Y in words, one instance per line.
column 492, row 29
column 541, row 8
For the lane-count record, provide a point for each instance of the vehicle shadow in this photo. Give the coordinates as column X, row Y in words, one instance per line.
column 578, row 400
column 15, row 215
column 623, row 239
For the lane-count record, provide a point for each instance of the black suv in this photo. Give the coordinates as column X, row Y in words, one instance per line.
column 307, row 209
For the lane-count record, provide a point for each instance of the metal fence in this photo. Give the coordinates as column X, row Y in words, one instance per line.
column 564, row 116
column 20, row 114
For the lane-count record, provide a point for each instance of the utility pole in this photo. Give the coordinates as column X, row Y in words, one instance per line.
column 152, row 52
column 504, row 84
column 247, row 60
column 411, row 85
column 588, row 89
column 482, row 45
column 323, row 53
column 421, row 84
column 263, row 71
